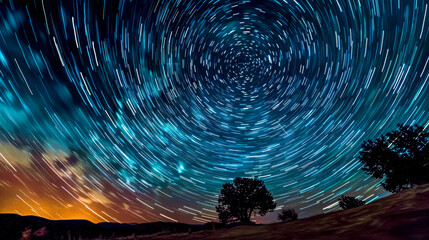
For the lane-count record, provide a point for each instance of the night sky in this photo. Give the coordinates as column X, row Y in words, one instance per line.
column 139, row 111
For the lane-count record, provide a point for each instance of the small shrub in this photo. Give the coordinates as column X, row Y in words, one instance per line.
column 287, row 215
column 29, row 234
column 348, row 202
column 26, row 234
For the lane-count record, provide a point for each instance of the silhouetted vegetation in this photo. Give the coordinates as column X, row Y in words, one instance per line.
column 30, row 234
column 401, row 158
column 245, row 196
column 347, row 202
column 287, row 215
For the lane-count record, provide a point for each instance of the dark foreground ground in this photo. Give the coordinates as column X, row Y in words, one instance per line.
column 404, row 215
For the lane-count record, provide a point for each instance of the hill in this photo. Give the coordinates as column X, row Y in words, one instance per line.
column 404, row 215
column 12, row 226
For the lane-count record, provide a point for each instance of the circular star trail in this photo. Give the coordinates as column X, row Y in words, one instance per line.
column 134, row 111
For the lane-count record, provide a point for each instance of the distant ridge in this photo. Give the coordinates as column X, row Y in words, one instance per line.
column 12, row 226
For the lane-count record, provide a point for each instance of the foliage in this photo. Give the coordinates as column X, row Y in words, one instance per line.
column 28, row 234
column 245, row 196
column 287, row 215
column 401, row 158
column 347, row 202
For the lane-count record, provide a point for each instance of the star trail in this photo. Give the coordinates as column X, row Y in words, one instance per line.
column 139, row 111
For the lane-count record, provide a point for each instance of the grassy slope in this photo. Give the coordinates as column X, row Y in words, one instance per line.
column 404, row 215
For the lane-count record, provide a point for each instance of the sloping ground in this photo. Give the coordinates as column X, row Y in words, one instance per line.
column 404, row 215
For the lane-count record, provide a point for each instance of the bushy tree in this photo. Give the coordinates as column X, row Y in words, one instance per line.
column 401, row 158
column 347, row 202
column 237, row 201
column 287, row 215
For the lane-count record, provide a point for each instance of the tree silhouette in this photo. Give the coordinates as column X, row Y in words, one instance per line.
column 347, row 202
column 401, row 158
column 245, row 196
column 287, row 215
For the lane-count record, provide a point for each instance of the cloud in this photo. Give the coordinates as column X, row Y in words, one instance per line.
column 72, row 159
column 16, row 157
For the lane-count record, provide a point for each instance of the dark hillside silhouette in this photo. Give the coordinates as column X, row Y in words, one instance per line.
column 404, row 215
column 12, row 226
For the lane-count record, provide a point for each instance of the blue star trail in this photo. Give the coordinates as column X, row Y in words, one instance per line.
column 136, row 111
